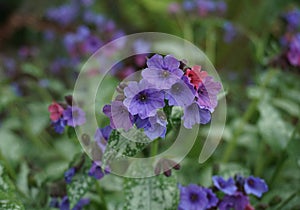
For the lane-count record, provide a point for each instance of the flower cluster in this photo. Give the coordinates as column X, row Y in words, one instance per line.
column 202, row 8
column 164, row 83
column 64, row 204
column 235, row 192
column 63, row 115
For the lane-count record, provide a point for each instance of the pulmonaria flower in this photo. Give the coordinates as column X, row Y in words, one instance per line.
column 255, row 186
column 91, row 44
column 59, row 125
column 101, row 137
column 207, row 93
column 238, row 201
column 192, row 197
column 97, row 172
column 230, row 32
column 65, row 204
column 69, row 174
column 196, row 76
column 162, row 72
column 293, row 53
column 158, row 126
column 56, row 111
column 180, row 94
column 226, row 186
column 143, row 99
column 211, row 197
column 63, row 15
column 194, row 114
column 118, row 115
column 54, row 203
column 293, row 19
column 74, row 116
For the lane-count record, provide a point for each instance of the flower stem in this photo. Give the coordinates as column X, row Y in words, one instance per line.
column 154, row 147
column 7, row 166
column 284, row 203
column 246, row 117
column 100, row 192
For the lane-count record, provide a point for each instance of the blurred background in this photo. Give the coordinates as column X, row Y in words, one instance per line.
column 254, row 45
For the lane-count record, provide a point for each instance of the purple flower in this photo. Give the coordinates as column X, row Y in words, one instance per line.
column 293, row 53
column 59, row 125
column 230, row 32
column 226, row 186
column 293, row 19
column 54, row 203
column 192, row 197
column 119, row 115
column 180, row 94
column 255, row 186
column 211, row 197
column 140, row 46
column 65, row 204
column 188, row 5
column 158, row 126
column 207, row 93
column 238, row 201
column 193, row 114
column 102, row 136
column 63, row 15
column 143, row 99
column 97, row 172
column 141, row 123
column 69, row 175
column 162, row 72
column 91, row 44
column 74, row 116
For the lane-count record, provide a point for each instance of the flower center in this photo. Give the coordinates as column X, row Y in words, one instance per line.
column 251, row 182
column 143, row 97
column 194, row 197
column 165, row 74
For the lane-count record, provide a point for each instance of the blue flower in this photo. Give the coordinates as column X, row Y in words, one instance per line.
column 226, row 186
column 238, row 201
column 69, row 174
column 143, row 99
column 193, row 114
column 102, row 136
column 230, row 32
column 255, row 186
column 162, row 72
column 158, row 126
column 65, row 204
column 192, row 197
column 97, row 172
column 211, row 197
column 293, row 18
column 59, row 125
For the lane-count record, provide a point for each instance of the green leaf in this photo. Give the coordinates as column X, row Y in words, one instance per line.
column 9, row 203
column 80, row 184
column 8, row 198
column 125, row 144
column 159, row 192
column 272, row 128
column 289, row 106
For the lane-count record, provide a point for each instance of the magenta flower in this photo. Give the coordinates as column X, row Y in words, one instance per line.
column 256, row 186
column 162, row 72
column 74, row 116
column 293, row 53
column 207, row 93
column 226, row 186
column 56, row 111
column 192, row 197
column 143, row 99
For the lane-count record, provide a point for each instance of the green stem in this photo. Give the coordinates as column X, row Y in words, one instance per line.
column 100, row 192
column 246, row 117
column 154, row 147
column 260, row 160
column 284, row 203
